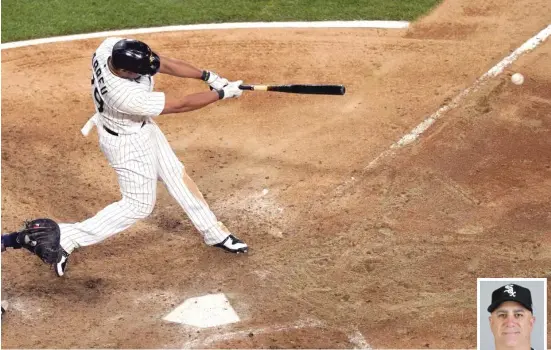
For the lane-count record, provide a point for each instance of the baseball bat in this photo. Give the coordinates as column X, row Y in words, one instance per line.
column 299, row 89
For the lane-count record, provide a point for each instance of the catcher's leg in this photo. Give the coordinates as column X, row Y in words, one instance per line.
column 133, row 159
column 185, row 191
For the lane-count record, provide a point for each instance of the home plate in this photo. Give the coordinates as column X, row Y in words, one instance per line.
column 207, row 311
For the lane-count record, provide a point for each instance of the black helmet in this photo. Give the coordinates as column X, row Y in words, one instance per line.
column 135, row 56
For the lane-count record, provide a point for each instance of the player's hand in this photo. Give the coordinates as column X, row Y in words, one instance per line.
column 232, row 89
column 214, row 80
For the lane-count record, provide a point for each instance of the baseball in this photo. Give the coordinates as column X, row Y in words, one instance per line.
column 517, row 79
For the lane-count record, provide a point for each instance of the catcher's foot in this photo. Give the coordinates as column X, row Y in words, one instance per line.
column 61, row 264
column 4, row 306
column 233, row 245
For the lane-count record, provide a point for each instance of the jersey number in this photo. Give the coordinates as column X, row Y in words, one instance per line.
column 97, row 98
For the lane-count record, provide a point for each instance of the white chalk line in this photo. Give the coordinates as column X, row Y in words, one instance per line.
column 212, row 26
column 358, row 340
column 355, row 337
column 243, row 334
column 414, row 134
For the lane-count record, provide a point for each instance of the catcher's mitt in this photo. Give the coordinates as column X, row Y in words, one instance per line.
column 41, row 237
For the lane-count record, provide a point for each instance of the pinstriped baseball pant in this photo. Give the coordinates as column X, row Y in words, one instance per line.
column 140, row 160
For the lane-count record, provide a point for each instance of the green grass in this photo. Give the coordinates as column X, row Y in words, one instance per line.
column 28, row 19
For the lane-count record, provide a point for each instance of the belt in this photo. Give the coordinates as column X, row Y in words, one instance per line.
column 116, row 133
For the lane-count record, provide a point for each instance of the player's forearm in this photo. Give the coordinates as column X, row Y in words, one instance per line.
column 190, row 102
column 179, row 68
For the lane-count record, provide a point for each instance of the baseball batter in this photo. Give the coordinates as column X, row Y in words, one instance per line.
column 126, row 105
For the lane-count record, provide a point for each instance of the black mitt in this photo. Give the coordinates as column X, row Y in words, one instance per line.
column 41, row 237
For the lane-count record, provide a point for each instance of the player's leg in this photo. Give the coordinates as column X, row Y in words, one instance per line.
column 182, row 188
column 133, row 159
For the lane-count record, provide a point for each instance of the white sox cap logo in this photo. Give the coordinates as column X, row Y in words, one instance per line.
column 509, row 289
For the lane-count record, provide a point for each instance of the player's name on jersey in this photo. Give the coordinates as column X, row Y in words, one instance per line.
column 97, row 70
column 100, row 84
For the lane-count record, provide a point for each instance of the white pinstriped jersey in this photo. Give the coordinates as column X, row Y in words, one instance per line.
column 122, row 103
column 141, row 155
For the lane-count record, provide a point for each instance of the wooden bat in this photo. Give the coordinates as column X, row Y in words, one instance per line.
column 299, row 89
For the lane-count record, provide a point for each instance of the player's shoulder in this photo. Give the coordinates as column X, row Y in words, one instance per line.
column 108, row 43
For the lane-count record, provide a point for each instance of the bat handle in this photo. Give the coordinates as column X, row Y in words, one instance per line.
column 246, row 87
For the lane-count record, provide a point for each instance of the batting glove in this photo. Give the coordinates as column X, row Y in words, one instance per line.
column 215, row 81
column 231, row 90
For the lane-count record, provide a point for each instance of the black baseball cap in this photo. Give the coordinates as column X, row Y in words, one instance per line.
column 511, row 292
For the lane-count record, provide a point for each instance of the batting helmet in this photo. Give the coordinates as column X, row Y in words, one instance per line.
column 135, row 56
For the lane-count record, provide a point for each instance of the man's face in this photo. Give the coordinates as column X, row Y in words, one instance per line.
column 511, row 324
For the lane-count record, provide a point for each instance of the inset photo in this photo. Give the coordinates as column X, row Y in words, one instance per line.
column 512, row 313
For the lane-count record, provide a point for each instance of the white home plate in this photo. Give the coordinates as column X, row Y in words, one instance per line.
column 207, row 311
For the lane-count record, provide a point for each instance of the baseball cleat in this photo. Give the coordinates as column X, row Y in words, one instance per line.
column 233, row 245
column 4, row 306
column 61, row 264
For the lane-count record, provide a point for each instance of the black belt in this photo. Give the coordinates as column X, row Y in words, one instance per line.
column 116, row 133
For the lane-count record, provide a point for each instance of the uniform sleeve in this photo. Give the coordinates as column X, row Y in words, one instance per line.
column 146, row 104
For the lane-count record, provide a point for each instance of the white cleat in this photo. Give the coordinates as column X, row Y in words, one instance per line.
column 61, row 264
column 233, row 245
column 4, row 306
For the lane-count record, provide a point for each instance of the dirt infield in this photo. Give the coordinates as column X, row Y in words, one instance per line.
column 340, row 257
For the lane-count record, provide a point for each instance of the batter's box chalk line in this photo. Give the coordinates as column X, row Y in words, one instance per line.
column 354, row 336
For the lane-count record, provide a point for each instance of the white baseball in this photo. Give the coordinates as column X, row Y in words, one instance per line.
column 517, row 79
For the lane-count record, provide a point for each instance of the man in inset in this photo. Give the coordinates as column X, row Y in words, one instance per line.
column 511, row 318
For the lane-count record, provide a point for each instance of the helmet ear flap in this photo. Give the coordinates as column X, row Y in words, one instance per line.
column 154, row 63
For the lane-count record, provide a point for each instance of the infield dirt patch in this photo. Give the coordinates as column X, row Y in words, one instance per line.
column 336, row 252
